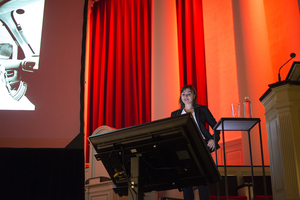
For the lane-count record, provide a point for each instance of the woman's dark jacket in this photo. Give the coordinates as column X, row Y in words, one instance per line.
column 203, row 116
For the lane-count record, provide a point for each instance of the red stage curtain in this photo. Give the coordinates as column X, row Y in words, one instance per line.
column 191, row 46
column 120, row 64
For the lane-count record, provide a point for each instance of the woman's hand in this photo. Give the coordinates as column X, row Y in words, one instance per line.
column 211, row 144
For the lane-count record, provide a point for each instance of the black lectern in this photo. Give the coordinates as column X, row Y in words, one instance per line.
column 159, row 155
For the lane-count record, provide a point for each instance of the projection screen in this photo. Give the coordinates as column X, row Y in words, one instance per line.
column 40, row 66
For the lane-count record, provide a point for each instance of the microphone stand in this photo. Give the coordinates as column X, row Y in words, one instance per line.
column 293, row 55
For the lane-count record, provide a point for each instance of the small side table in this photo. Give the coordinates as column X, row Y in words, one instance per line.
column 240, row 124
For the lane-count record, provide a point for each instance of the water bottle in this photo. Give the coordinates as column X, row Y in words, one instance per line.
column 247, row 108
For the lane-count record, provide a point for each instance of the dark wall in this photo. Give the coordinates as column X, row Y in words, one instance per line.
column 38, row 174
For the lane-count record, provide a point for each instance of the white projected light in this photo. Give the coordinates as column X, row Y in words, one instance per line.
column 20, row 36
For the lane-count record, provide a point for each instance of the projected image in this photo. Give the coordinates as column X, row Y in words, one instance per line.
column 20, row 35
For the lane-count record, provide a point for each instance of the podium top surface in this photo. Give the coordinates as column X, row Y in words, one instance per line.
column 174, row 155
column 293, row 78
column 236, row 124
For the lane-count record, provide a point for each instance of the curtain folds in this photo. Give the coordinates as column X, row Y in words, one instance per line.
column 191, row 46
column 120, row 64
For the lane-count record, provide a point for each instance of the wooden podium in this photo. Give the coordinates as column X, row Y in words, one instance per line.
column 282, row 112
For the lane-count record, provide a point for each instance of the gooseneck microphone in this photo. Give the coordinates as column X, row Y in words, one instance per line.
column 293, row 55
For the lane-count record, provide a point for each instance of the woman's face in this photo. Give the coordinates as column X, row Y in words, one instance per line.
column 187, row 96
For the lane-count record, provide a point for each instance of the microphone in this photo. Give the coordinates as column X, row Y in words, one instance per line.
column 293, row 55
